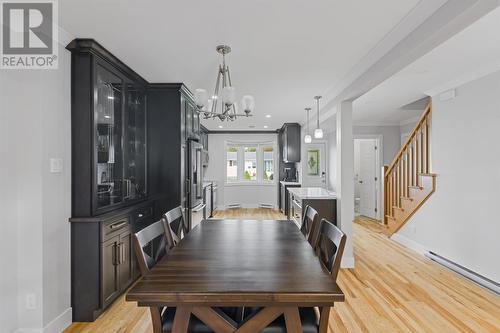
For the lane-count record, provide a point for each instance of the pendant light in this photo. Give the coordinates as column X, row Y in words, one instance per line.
column 318, row 132
column 307, row 137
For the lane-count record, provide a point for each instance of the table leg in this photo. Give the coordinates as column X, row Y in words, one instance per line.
column 260, row 321
column 324, row 318
column 181, row 319
column 292, row 320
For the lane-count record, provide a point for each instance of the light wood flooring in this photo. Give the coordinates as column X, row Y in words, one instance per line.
column 392, row 289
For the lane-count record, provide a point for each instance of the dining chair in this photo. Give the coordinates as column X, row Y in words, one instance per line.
column 329, row 246
column 175, row 225
column 163, row 317
column 309, row 226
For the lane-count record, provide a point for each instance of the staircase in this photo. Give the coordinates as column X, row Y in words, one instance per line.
column 408, row 181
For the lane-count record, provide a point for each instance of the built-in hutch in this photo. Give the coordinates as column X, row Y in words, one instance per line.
column 128, row 168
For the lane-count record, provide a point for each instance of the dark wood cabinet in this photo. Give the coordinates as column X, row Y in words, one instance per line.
column 204, row 137
column 109, row 117
column 169, row 106
column 110, row 275
column 290, row 141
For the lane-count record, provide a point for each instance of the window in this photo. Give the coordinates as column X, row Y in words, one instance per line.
column 268, row 158
column 257, row 163
column 232, row 163
column 250, row 172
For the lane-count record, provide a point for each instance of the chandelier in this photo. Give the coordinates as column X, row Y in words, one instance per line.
column 224, row 95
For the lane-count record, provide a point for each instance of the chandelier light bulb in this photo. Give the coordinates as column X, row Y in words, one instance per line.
column 229, row 95
column 201, row 98
column 248, row 103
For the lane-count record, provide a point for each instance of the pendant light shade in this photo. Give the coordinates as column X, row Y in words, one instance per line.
column 201, row 98
column 229, row 95
column 318, row 132
column 307, row 137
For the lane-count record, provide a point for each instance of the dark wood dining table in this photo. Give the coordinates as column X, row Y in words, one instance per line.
column 235, row 263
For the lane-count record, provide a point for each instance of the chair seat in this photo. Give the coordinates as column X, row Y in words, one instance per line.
column 307, row 318
column 195, row 325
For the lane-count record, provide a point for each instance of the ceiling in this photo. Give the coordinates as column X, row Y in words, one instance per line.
column 284, row 51
column 471, row 53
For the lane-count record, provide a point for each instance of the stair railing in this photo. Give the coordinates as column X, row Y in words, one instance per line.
column 411, row 161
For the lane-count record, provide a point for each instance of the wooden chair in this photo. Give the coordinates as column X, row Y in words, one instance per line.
column 309, row 226
column 175, row 226
column 162, row 317
column 329, row 246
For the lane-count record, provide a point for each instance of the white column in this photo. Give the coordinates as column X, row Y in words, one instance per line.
column 345, row 178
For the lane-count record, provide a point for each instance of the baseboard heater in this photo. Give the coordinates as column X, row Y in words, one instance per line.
column 266, row 206
column 233, row 206
column 479, row 279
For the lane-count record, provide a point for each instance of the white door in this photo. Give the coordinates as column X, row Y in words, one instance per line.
column 315, row 165
column 366, row 178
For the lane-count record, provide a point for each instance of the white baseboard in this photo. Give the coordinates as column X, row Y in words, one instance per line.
column 409, row 243
column 57, row 325
column 347, row 262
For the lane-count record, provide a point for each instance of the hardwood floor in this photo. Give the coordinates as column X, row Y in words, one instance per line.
column 392, row 289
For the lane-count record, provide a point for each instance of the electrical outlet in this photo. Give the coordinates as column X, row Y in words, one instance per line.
column 30, row 301
column 56, row 165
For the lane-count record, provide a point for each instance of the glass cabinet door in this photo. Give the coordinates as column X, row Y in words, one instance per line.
column 108, row 120
column 135, row 144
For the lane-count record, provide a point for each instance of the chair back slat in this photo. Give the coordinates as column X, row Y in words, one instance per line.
column 153, row 238
column 330, row 246
column 175, row 225
column 310, row 225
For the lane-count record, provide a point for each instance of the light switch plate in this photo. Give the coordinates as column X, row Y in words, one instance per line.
column 56, row 165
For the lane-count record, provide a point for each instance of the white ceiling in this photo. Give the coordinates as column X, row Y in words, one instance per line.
column 284, row 51
column 469, row 54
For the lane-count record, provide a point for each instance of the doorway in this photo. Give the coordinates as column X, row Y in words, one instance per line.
column 367, row 177
column 315, row 166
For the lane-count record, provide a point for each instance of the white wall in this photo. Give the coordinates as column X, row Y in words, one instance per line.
column 246, row 195
column 391, row 137
column 460, row 220
column 35, row 115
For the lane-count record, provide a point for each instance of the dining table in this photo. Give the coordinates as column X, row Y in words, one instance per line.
column 268, row 265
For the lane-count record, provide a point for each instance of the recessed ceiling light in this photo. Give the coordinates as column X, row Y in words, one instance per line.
column 265, row 126
column 214, row 97
column 107, row 117
column 220, row 126
column 268, row 116
column 111, row 97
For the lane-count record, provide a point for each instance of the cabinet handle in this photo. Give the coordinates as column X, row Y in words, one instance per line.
column 117, row 225
column 122, row 253
column 116, row 248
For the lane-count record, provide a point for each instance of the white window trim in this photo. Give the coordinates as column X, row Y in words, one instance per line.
column 260, row 163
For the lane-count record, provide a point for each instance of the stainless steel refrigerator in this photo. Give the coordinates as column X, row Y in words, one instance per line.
column 196, row 207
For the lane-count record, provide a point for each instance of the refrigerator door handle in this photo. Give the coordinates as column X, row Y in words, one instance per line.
column 198, row 208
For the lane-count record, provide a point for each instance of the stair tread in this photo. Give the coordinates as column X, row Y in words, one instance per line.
column 390, row 217
column 416, row 187
column 396, row 207
column 406, row 198
column 428, row 174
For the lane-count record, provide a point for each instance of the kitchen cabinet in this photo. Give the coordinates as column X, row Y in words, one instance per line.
column 109, row 117
column 323, row 201
column 284, row 196
column 110, row 183
column 204, row 137
column 290, row 141
column 169, row 106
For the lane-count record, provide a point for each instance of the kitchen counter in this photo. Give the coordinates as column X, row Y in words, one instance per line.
column 283, row 182
column 312, row 193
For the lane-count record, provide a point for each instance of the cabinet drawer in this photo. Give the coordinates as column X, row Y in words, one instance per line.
column 114, row 227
